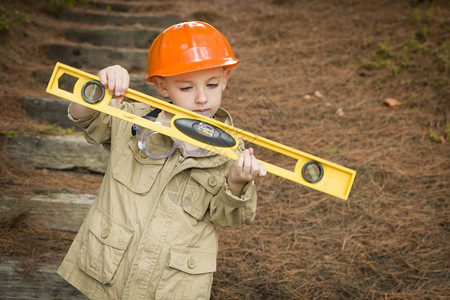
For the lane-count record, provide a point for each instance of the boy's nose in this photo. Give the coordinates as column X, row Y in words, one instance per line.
column 201, row 97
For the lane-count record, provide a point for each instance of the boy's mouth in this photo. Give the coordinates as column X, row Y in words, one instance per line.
column 204, row 112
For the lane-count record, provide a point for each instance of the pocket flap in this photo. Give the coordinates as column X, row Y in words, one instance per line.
column 193, row 260
column 135, row 170
column 211, row 182
column 201, row 188
column 110, row 232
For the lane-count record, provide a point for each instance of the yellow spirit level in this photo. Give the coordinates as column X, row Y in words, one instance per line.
column 204, row 132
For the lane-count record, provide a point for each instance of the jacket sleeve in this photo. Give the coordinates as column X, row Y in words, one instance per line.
column 229, row 210
column 97, row 128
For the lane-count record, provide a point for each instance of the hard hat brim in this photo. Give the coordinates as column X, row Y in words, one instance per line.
column 192, row 67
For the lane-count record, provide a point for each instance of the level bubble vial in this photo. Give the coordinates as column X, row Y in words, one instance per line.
column 93, row 92
column 312, row 171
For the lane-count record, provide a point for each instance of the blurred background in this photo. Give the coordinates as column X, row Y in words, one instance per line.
column 364, row 84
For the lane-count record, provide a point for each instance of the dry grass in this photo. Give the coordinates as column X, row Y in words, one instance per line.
column 31, row 244
column 391, row 238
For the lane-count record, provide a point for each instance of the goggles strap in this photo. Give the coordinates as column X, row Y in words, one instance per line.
column 153, row 114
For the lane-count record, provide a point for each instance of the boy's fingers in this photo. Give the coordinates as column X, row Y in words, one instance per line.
column 248, row 167
column 118, row 83
column 116, row 79
column 247, row 162
column 121, row 81
column 262, row 170
column 119, row 99
column 125, row 82
column 240, row 162
column 102, row 76
column 257, row 168
column 111, row 78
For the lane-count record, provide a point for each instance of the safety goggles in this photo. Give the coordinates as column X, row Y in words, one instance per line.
column 158, row 146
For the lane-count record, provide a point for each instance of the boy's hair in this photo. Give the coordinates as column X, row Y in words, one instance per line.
column 188, row 47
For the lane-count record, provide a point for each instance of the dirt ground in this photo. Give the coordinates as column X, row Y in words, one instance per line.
column 313, row 75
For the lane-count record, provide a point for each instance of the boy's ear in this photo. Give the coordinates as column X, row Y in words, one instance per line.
column 160, row 84
column 226, row 75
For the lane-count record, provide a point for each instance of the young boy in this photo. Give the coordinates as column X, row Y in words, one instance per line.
column 150, row 234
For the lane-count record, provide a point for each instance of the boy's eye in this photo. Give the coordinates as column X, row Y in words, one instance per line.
column 185, row 89
column 212, row 85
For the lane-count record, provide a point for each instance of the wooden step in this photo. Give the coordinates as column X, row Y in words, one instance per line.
column 48, row 110
column 85, row 56
column 54, row 211
column 113, row 37
column 46, row 285
column 66, row 152
column 122, row 6
column 119, row 19
column 109, row 6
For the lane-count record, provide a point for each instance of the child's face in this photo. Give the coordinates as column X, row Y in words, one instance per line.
column 199, row 91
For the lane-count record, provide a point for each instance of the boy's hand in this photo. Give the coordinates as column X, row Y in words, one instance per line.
column 247, row 168
column 116, row 79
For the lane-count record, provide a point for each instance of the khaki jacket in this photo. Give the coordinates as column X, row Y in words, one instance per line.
column 150, row 233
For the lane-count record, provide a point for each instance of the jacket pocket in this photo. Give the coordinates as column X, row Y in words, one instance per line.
column 202, row 186
column 188, row 274
column 135, row 170
column 104, row 246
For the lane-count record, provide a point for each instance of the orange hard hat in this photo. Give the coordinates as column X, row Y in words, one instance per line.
column 187, row 47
